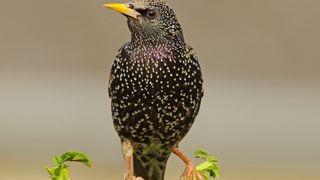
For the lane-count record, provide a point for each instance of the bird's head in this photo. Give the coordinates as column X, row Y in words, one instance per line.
column 150, row 20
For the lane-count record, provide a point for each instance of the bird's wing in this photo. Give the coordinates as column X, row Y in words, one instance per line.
column 123, row 52
column 109, row 83
column 194, row 59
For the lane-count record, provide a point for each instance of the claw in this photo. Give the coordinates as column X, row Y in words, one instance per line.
column 191, row 172
column 130, row 177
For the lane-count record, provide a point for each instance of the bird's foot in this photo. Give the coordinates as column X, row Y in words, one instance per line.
column 130, row 177
column 191, row 172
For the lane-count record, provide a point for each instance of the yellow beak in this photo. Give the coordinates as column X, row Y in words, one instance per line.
column 124, row 9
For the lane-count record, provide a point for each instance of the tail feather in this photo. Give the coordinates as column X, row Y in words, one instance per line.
column 150, row 165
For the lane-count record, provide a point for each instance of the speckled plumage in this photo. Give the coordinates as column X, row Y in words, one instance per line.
column 155, row 86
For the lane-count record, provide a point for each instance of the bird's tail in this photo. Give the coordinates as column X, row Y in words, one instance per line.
column 150, row 163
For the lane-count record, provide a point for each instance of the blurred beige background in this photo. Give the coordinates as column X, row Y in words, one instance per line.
column 260, row 60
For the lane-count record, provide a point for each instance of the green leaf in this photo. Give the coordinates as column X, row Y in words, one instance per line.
column 57, row 160
column 50, row 171
column 60, row 169
column 211, row 158
column 203, row 166
column 201, row 154
column 209, row 167
column 77, row 157
column 64, row 173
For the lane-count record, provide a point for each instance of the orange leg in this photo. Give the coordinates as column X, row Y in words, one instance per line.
column 127, row 151
column 129, row 167
column 190, row 170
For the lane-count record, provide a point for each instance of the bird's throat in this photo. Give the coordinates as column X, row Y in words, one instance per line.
column 154, row 39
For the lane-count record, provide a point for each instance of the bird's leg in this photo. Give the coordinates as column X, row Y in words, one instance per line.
column 127, row 151
column 190, row 171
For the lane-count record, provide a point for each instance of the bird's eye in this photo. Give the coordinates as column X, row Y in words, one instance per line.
column 130, row 6
column 151, row 13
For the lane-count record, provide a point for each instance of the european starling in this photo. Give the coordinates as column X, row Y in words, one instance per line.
column 155, row 88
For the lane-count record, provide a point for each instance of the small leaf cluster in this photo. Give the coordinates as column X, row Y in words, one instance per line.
column 209, row 167
column 60, row 169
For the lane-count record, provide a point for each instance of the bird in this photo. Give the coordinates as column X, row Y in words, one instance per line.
column 155, row 86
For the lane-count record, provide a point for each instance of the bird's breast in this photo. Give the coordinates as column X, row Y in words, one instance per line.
column 148, row 71
column 155, row 90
